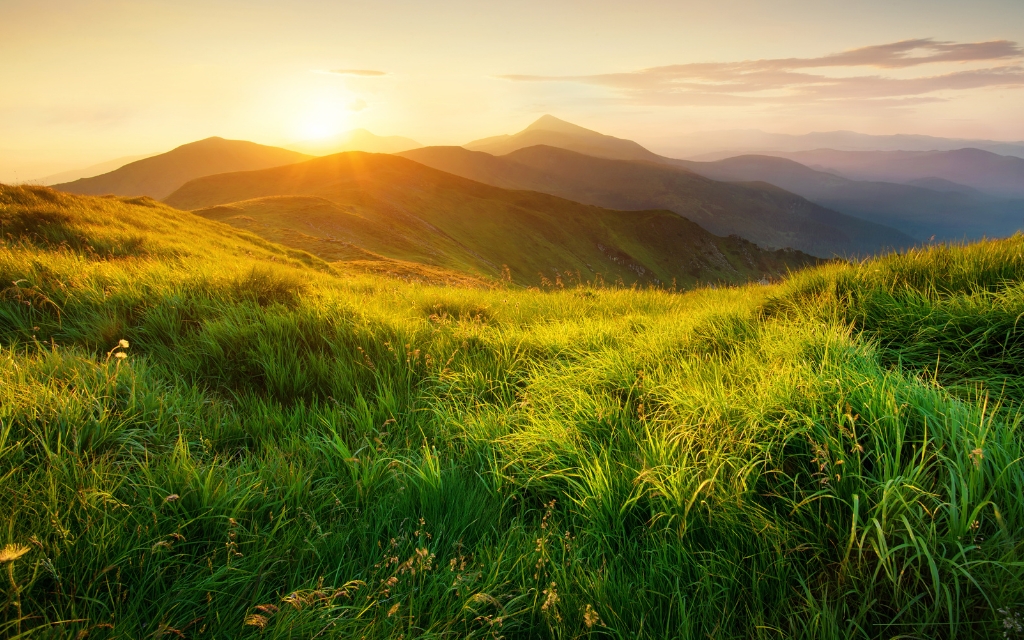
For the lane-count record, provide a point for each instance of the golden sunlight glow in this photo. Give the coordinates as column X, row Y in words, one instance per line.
column 322, row 121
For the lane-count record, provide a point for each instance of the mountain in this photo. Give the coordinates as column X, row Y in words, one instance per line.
column 956, row 212
column 715, row 145
column 759, row 212
column 159, row 175
column 549, row 130
column 90, row 171
column 938, row 184
column 359, row 206
column 992, row 173
column 355, row 140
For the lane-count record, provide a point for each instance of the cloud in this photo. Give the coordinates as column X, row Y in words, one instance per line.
column 798, row 81
column 362, row 73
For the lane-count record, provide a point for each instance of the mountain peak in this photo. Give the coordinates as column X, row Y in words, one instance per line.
column 205, row 143
column 553, row 132
column 549, row 122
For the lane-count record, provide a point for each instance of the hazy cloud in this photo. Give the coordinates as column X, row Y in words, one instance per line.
column 362, row 73
column 800, row 81
column 83, row 116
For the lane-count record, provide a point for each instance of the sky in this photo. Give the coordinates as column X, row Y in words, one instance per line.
column 87, row 81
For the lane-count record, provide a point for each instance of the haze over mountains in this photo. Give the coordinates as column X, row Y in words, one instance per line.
column 355, row 140
column 716, row 145
column 933, row 207
column 90, row 171
column 997, row 175
column 373, row 206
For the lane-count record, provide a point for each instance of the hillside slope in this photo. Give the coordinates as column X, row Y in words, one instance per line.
column 549, row 130
column 159, row 175
column 760, row 213
column 202, row 435
column 401, row 209
column 933, row 207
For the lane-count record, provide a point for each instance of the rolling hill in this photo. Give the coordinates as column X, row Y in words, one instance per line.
column 159, row 175
column 366, row 206
column 761, row 213
column 549, row 130
column 936, row 208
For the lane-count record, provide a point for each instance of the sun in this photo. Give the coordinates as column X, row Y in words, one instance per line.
column 321, row 121
column 319, row 129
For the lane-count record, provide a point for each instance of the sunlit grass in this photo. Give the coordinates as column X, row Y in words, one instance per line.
column 285, row 452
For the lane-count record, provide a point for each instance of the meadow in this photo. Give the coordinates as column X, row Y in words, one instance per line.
column 204, row 434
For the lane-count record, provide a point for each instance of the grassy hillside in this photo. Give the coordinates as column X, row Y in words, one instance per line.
column 935, row 208
column 356, row 204
column 760, row 213
column 159, row 175
column 275, row 451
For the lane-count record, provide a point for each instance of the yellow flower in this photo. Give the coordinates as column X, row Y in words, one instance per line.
column 12, row 552
column 122, row 343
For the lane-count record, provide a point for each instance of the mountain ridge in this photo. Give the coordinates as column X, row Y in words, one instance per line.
column 392, row 206
column 764, row 214
column 991, row 173
column 158, row 176
column 922, row 212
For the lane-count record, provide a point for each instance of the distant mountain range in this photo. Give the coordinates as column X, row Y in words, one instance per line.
column 716, row 145
column 994, row 174
column 762, row 213
column 550, row 131
column 158, row 176
column 358, row 206
column 846, row 202
column 945, row 210
column 921, row 194
column 355, row 140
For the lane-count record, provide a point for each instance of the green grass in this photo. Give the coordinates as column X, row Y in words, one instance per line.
column 286, row 452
